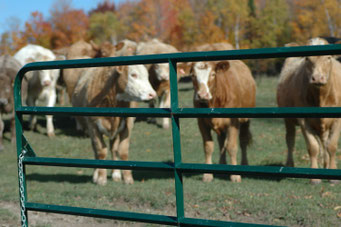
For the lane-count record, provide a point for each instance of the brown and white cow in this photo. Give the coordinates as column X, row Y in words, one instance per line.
column 312, row 82
column 9, row 68
column 112, row 87
column 224, row 84
column 158, row 73
column 41, row 83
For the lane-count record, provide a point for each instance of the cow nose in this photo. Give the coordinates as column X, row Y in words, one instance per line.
column 203, row 95
column 151, row 95
column 46, row 83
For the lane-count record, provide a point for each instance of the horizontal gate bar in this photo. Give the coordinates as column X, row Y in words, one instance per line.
column 257, row 112
column 188, row 57
column 205, row 222
column 190, row 167
column 106, row 164
column 97, row 213
column 275, row 171
column 129, row 216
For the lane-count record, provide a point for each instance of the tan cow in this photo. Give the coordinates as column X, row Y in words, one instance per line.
column 224, row 84
column 112, row 87
column 158, row 73
column 312, row 82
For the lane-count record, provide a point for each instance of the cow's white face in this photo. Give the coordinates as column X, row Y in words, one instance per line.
column 202, row 74
column 48, row 77
column 162, row 71
column 319, row 69
column 137, row 87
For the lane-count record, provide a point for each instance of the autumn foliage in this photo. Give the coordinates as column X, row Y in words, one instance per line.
column 183, row 23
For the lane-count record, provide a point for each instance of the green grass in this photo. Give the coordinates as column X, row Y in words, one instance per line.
column 292, row 202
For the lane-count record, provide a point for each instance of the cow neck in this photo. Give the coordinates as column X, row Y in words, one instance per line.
column 107, row 96
column 220, row 90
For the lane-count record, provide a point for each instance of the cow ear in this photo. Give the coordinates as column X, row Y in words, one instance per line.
column 120, row 69
column 222, row 66
column 119, row 46
column 30, row 60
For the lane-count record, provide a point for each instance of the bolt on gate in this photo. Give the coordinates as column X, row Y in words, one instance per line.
column 26, row 155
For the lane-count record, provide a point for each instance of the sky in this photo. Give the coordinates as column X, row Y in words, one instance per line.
column 22, row 9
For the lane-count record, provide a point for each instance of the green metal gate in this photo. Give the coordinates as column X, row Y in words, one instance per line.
column 26, row 155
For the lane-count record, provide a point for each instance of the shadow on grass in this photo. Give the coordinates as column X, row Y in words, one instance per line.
column 70, row 178
column 64, row 125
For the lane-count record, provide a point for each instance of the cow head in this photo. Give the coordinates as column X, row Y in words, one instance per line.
column 319, row 69
column 5, row 93
column 161, row 71
column 134, row 84
column 48, row 77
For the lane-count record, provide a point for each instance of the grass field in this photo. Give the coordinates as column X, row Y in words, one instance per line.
column 292, row 202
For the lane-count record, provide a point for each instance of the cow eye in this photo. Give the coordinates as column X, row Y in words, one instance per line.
column 213, row 75
column 134, row 75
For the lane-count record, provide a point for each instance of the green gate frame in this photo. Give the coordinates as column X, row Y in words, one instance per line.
column 26, row 155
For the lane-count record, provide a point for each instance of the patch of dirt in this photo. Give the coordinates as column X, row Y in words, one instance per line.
column 55, row 220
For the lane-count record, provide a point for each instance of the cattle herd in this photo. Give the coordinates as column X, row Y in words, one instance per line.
column 303, row 82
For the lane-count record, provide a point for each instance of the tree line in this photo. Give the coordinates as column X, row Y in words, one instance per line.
column 182, row 23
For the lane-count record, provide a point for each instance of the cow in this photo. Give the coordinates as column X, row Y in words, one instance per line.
column 158, row 73
column 119, row 86
column 41, row 84
column 313, row 81
column 9, row 68
column 224, row 84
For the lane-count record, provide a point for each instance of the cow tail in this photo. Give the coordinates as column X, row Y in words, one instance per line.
column 245, row 136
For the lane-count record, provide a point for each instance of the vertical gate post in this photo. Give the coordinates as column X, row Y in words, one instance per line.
column 176, row 141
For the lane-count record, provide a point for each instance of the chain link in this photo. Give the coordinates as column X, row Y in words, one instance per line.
column 21, row 188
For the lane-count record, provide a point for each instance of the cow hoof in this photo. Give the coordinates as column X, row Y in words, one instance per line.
column 130, row 180
column 99, row 177
column 334, row 181
column 116, row 175
column 208, row 177
column 315, row 181
column 236, row 178
column 165, row 125
column 51, row 134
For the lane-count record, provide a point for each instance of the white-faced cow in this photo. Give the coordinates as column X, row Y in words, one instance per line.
column 224, row 84
column 112, row 87
column 9, row 68
column 158, row 73
column 42, row 83
column 312, row 82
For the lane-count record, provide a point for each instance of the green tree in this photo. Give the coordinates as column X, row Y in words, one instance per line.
column 104, row 27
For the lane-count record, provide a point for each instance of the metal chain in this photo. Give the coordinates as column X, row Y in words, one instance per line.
column 21, row 188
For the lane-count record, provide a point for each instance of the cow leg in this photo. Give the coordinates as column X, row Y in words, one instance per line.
column 116, row 173
column 33, row 119
column 49, row 118
column 221, row 140
column 99, row 147
column 245, row 138
column 123, row 148
column 151, row 104
column 208, row 147
column 2, row 127
column 332, row 144
column 13, row 136
column 290, row 140
column 165, row 103
column 313, row 148
column 232, row 146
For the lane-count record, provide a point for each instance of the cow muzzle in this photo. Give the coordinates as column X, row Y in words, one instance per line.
column 3, row 101
column 46, row 83
column 318, row 80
